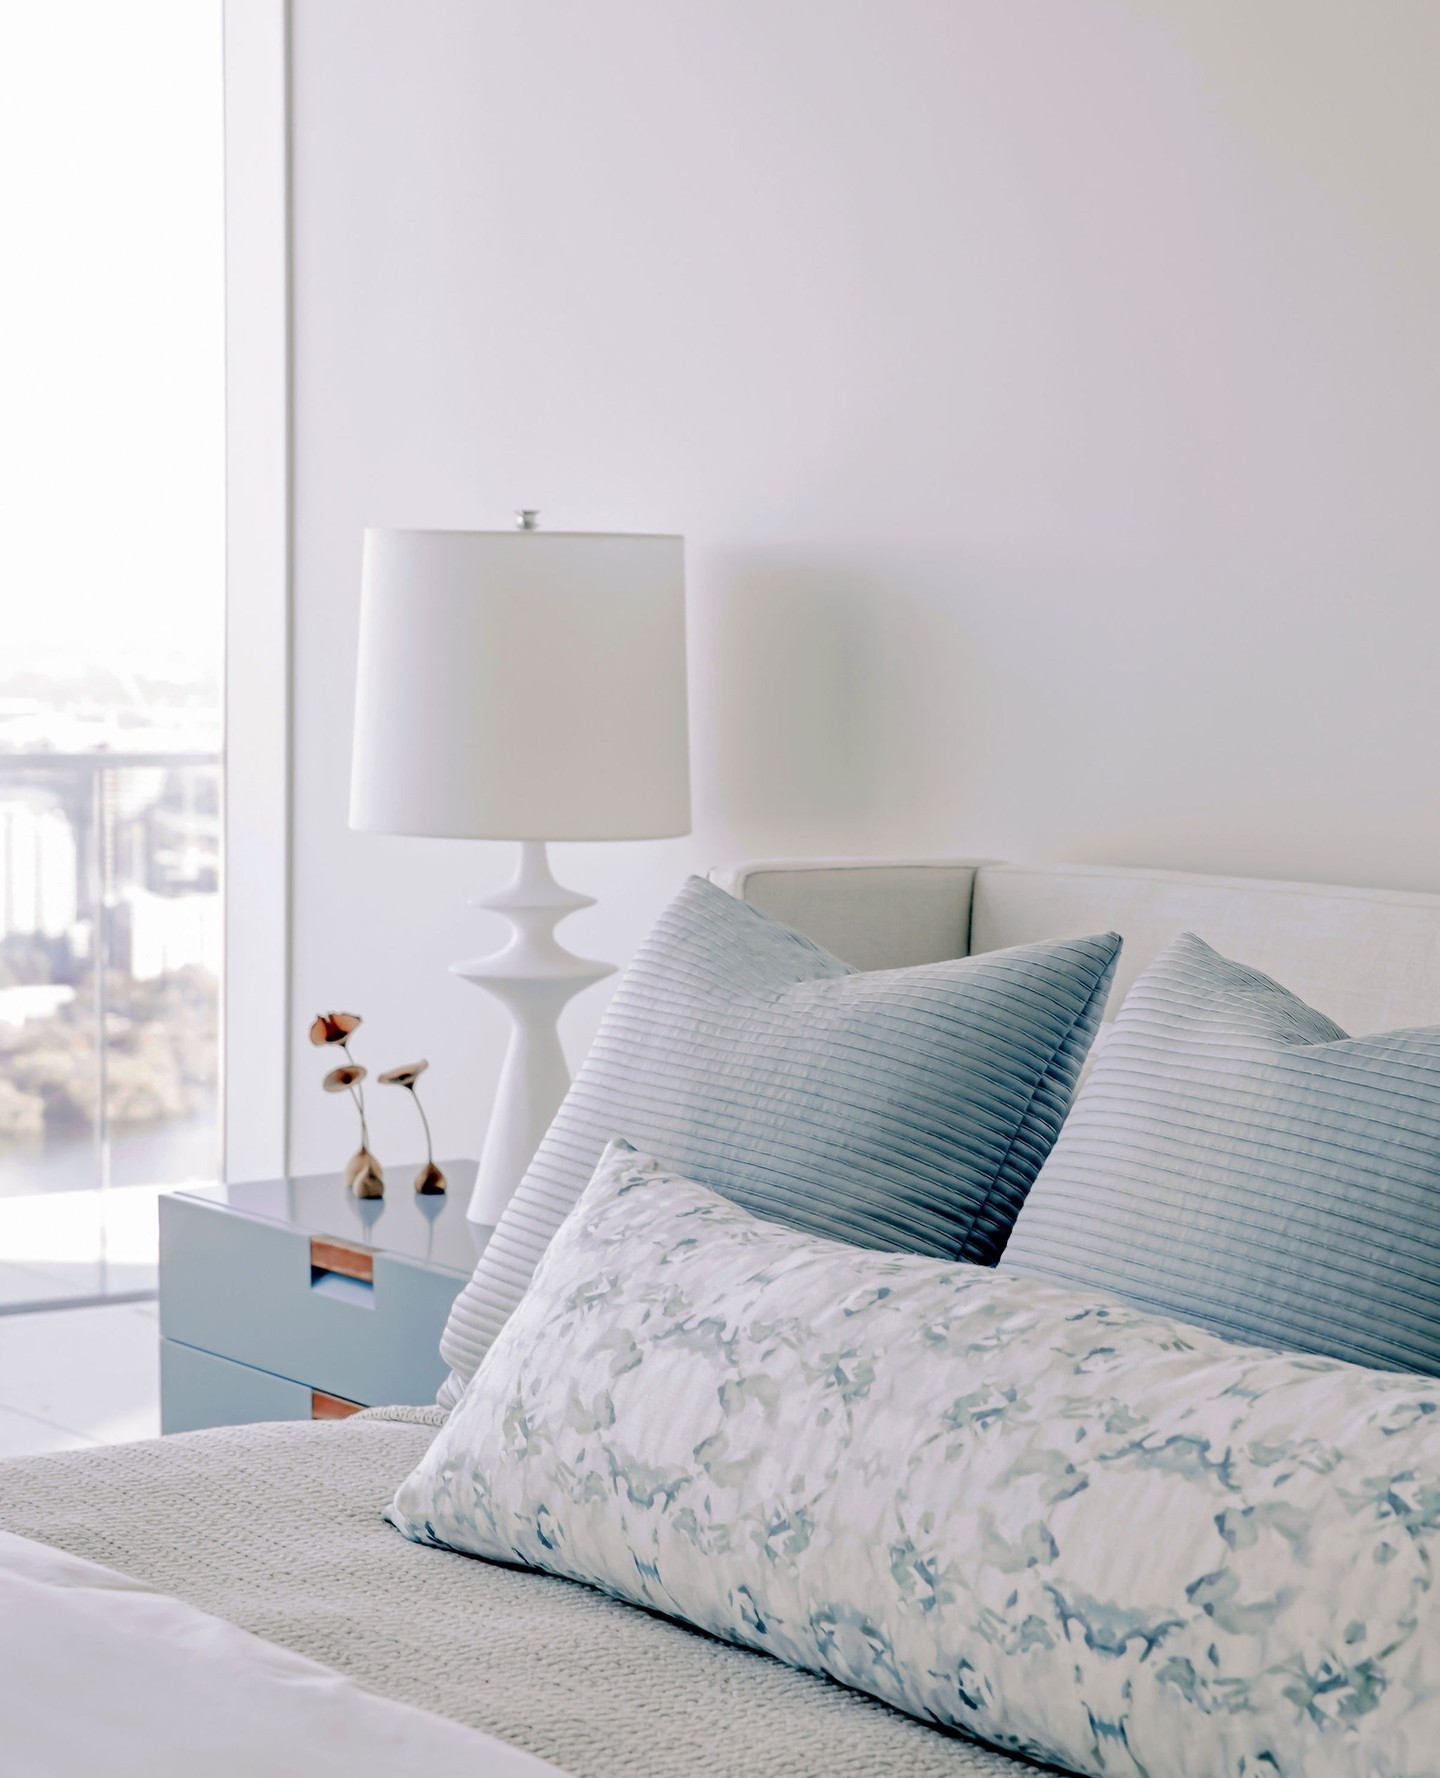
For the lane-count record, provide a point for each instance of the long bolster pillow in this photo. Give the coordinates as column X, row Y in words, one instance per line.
column 1068, row 1527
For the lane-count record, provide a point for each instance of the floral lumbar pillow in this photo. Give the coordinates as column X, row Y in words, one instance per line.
column 1070, row 1527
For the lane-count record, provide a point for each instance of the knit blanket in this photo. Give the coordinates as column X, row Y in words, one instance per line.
column 276, row 1528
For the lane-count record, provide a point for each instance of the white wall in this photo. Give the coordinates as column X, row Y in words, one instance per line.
column 1047, row 390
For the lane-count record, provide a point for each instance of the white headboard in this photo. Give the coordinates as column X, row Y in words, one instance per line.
column 1369, row 958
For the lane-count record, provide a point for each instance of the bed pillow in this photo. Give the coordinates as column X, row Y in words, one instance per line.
column 1234, row 1158
column 907, row 1109
column 1076, row 1530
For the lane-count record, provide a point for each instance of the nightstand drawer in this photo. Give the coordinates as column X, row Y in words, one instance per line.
column 197, row 1389
column 280, row 1300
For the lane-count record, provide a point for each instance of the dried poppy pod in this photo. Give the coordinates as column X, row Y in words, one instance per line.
column 403, row 1077
column 334, row 1027
column 429, row 1181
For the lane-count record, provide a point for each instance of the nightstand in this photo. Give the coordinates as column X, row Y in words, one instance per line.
column 291, row 1299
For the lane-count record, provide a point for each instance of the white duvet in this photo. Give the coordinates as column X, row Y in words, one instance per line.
column 101, row 1675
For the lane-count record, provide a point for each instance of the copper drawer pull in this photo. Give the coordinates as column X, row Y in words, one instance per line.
column 331, row 1407
column 339, row 1256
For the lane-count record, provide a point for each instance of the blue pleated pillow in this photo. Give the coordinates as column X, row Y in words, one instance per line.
column 1235, row 1159
column 906, row 1110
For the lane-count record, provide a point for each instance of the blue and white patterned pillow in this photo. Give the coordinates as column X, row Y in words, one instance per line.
column 1074, row 1529
column 906, row 1109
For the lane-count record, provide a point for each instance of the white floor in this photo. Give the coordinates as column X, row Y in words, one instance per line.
column 77, row 1244
column 74, row 1377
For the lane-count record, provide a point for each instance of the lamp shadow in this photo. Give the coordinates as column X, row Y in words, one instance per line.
column 837, row 708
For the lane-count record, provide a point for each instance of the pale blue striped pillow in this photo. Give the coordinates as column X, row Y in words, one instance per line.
column 904, row 1109
column 1235, row 1159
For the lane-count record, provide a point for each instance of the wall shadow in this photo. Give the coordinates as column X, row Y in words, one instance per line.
column 832, row 705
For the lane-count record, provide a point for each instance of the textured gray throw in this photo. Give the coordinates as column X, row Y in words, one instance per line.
column 277, row 1528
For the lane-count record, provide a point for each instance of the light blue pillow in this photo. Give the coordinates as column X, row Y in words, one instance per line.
column 906, row 1108
column 1234, row 1158
column 1072, row 1528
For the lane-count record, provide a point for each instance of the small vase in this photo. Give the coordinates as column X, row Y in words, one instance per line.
column 430, row 1182
column 363, row 1175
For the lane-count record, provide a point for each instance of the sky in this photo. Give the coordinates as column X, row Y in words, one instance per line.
column 111, row 335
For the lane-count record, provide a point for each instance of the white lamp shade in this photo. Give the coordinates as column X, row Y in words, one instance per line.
column 521, row 685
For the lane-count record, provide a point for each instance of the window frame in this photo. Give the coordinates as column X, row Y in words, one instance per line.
column 256, row 1037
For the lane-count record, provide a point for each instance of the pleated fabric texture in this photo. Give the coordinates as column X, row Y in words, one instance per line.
column 906, row 1110
column 1236, row 1160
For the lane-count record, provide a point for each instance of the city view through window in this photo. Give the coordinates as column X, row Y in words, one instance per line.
column 109, row 949
column 111, row 581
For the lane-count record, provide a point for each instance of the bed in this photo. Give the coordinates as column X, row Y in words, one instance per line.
column 276, row 1528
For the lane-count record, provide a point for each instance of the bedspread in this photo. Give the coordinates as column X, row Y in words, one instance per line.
column 277, row 1528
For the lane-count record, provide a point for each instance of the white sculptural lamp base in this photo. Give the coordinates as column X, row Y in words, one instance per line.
column 535, row 976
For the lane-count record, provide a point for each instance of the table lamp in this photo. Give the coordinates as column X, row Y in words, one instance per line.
column 522, row 685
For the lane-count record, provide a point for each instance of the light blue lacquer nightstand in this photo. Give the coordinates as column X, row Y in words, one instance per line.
column 291, row 1299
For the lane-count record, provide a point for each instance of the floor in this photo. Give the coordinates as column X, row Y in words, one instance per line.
column 75, row 1377
column 76, row 1244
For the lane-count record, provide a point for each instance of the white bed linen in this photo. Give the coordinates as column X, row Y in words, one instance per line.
column 101, row 1674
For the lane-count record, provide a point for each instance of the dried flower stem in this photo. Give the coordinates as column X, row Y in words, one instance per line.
column 357, row 1093
column 429, row 1145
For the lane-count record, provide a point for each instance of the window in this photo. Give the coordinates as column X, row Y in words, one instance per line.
column 112, row 582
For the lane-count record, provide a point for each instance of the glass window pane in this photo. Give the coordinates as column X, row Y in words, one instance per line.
column 162, row 946
column 112, row 583
column 49, row 1076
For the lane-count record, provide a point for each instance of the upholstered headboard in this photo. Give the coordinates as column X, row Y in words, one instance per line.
column 1370, row 958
